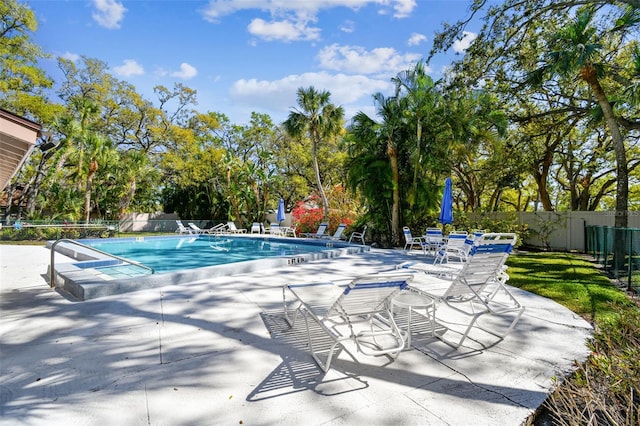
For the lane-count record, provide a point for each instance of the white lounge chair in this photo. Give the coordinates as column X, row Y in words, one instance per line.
column 220, row 228
column 231, row 226
column 338, row 311
column 195, row 229
column 336, row 235
column 181, row 229
column 478, row 289
column 410, row 241
column 358, row 235
column 319, row 233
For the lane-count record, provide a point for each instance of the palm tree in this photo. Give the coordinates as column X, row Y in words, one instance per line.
column 319, row 119
column 575, row 49
column 135, row 164
column 390, row 111
column 421, row 98
column 100, row 152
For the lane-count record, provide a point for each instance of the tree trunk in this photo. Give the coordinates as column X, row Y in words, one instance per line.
column 622, row 185
column 126, row 201
column 392, row 152
column 33, row 195
column 541, row 175
column 325, row 203
column 93, row 168
column 414, row 185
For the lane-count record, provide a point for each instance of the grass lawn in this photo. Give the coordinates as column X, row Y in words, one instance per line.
column 568, row 279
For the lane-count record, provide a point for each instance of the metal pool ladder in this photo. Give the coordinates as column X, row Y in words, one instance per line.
column 66, row 240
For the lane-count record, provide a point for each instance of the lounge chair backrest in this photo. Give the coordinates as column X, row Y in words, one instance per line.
column 433, row 232
column 322, row 229
column 366, row 295
column 477, row 233
column 181, row 228
column 231, row 226
column 339, row 231
column 218, row 229
column 256, row 228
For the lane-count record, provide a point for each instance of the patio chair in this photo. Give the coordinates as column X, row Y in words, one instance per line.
column 358, row 235
column 433, row 240
column 478, row 289
column 275, row 229
column 411, row 241
column 347, row 314
column 181, row 229
column 322, row 228
column 457, row 247
column 288, row 231
column 337, row 235
column 257, row 228
column 452, row 269
column 231, row 226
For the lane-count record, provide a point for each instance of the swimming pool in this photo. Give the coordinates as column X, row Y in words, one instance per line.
column 179, row 259
column 168, row 254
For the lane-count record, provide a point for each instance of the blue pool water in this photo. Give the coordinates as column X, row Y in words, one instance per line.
column 169, row 254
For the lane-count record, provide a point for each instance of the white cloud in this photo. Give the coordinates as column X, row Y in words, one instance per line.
column 356, row 59
column 128, row 68
column 416, row 39
column 352, row 92
column 290, row 18
column 73, row 57
column 403, row 8
column 109, row 13
column 348, row 27
column 186, row 72
column 217, row 9
column 462, row 44
column 283, row 30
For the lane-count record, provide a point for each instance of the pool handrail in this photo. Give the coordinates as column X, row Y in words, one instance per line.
column 66, row 240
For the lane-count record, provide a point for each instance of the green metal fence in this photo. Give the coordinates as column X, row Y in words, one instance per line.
column 618, row 251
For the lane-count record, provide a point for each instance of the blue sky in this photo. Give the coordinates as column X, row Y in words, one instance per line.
column 252, row 55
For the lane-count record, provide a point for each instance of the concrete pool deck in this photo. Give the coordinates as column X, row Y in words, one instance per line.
column 217, row 351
